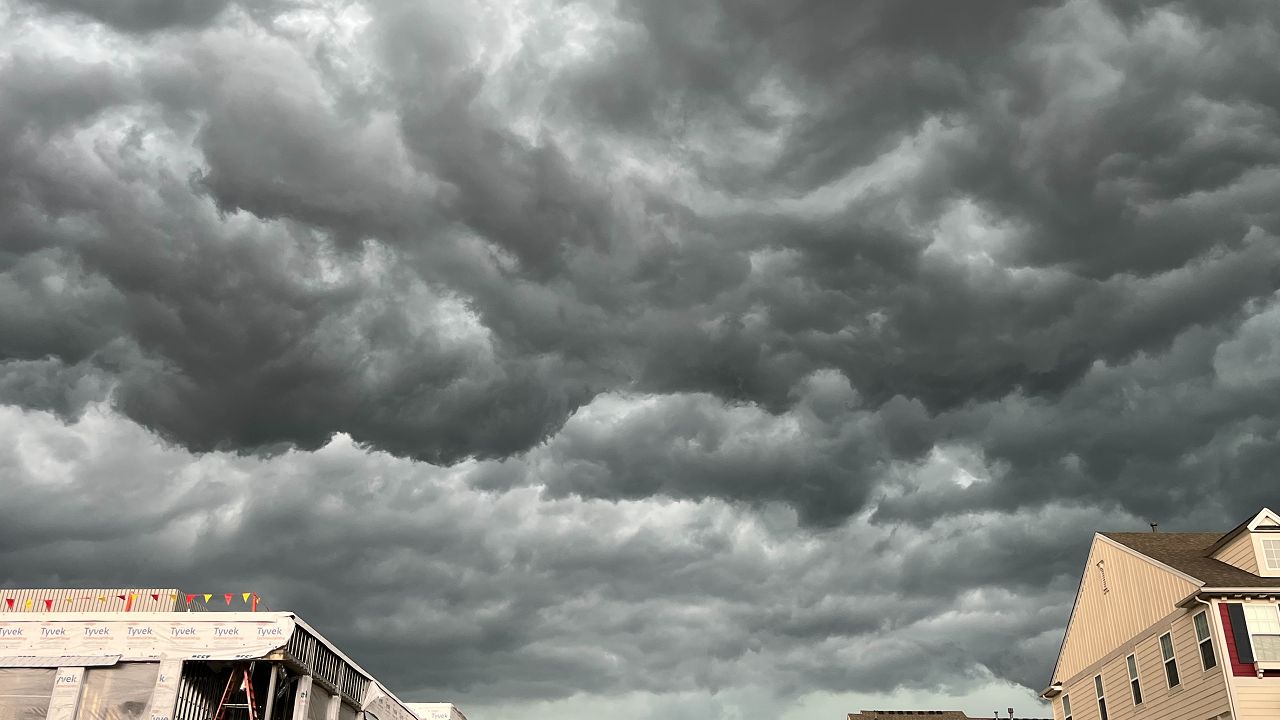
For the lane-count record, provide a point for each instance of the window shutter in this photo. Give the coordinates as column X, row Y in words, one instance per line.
column 1244, row 648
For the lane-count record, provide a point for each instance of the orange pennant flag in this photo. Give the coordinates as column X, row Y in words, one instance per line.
column 208, row 596
column 246, row 596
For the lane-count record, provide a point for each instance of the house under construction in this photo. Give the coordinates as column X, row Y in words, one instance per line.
column 159, row 662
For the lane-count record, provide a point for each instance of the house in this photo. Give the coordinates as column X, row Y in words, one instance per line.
column 142, row 654
column 1174, row 626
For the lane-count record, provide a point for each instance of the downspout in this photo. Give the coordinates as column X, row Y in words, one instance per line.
column 1227, row 671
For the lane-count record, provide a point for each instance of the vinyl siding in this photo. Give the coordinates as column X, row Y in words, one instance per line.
column 1257, row 698
column 1239, row 552
column 1139, row 594
column 1201, row 695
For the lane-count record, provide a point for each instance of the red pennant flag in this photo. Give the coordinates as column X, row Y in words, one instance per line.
column 9, row 602
column 121, row 597
column 155, row 596
column 191, row 597
column 228, row 596
column 48, row 604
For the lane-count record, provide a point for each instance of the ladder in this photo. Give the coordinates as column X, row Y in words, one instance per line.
column 241, row 680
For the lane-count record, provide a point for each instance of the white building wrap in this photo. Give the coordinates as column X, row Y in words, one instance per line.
column 205, row 636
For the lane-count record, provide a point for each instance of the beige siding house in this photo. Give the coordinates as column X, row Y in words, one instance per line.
column 1175, row 626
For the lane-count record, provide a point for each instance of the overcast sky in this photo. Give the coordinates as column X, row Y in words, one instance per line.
column 638, row 359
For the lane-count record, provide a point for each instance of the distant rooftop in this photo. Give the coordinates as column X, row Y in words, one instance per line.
column 922, row 715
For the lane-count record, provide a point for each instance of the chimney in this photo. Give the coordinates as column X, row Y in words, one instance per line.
column 1154, row 526
column 1010, row 713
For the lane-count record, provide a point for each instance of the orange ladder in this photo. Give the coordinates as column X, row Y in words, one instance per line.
column 241, row 680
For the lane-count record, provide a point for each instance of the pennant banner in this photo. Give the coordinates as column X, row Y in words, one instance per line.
column 250, row 599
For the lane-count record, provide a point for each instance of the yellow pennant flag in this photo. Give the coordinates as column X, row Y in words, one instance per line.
column 70, row 600
column 28, row 603
column 102, row 598
column 208, row 597
column 173, row 596
column 245, row 596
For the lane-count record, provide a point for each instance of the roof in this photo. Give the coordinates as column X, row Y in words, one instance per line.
column 909, row 715
column 917, row 715
column 1189, row 553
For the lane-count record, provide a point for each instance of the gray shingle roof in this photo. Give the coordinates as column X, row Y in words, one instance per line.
column 1188, row 553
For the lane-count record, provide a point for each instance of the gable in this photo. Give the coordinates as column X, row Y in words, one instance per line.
column 1266, row 520
column 1121, row 594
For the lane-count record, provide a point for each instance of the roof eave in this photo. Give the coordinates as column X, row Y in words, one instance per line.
column 1264, row 591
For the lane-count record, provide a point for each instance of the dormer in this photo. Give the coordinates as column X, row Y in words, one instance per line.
column 1254, row 546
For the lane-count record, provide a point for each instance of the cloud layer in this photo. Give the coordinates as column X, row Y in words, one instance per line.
column 596, row 338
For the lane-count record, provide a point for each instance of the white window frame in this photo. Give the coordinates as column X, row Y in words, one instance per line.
column 1066, row 706
column 1270, row 633
column 1102, row 696
column 1205, row 643
column 1135, row 684
column 1170, row 661
column 1269, row 547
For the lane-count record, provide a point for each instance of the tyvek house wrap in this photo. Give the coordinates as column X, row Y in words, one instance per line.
column 146, row 636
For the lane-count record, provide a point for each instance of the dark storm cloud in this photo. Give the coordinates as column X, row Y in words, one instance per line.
column 899, row 261
column 891, row 140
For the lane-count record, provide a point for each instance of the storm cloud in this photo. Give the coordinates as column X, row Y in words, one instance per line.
column 806, row 332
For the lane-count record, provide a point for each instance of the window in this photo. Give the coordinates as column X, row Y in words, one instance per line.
column 25, row 692
column 1271, row 551
column 1170, row 662
column 1134, row 686
column 118, row 692
column 1207, row 658
column 1066, row 707
column 1264, row 631
column 1102, row 701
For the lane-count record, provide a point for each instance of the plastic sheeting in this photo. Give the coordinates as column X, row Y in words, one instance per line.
column 25, row 693
column 122, row 692
column 320, row 699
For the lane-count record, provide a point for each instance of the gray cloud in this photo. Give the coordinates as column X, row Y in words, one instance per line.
column 889, row 267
